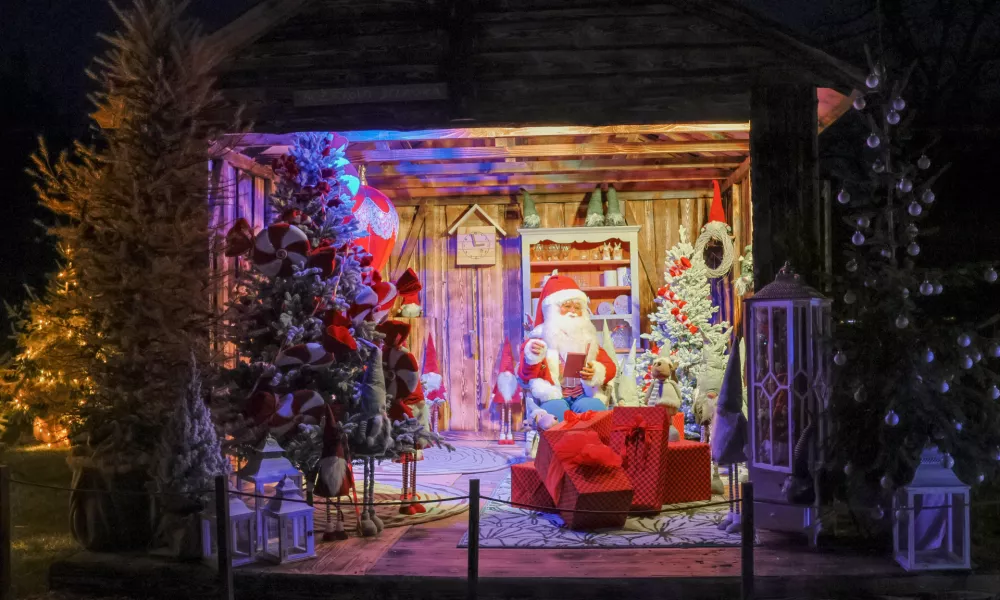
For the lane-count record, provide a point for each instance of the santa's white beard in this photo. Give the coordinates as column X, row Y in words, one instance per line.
column 569, row 333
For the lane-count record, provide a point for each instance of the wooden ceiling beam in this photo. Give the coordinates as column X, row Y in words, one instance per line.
column 563, row 188
column 547, row 166
column 547, row 150
column 556, row 198
column 592, row 177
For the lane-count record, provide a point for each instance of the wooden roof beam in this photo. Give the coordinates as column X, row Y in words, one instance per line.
column 547, row 166
column 578, row 188
column 512, row 198
column 592, row 177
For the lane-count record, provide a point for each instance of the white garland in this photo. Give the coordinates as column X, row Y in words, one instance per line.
column 716, row 230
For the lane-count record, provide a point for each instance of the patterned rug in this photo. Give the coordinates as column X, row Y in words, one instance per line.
column 464, row 459
column 389, row 491
column 505, row 526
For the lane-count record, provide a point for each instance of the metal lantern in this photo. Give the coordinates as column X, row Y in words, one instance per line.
column 932, row 527
column 287, row 533
column 242, row 532
column 788, row 327
column 267, row 465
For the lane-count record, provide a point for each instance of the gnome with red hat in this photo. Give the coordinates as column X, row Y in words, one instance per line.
column 435, row 394
column 506, row 395
column 563, row 329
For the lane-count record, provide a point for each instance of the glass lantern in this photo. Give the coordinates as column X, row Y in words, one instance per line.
column 287, row 533
column 788, row 326
column 265, row 466
column 242, row 532
column 932, row 528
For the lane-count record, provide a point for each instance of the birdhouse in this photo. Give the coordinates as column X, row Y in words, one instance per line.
column 242, row 532
column 932, row 529
column 265, row 466
column 287, row 534
column 788, row 326
column 476, row 245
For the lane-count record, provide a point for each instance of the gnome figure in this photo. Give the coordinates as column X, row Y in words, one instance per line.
column 729, row 435
column 595, row 210
column 506, row 395
column 336, row 479
column 435, row 394
column 408, row 287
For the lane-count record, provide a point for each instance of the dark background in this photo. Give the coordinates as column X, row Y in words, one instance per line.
column 46, row 45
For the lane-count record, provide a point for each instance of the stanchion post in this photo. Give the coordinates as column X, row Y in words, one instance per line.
column 222, row 537
column 6, row 585
column 747, row 541
column 473, row 539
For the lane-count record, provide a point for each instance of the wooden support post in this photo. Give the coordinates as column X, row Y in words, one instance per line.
column 6, row 585
column 785, row 175
column 747, row 541
column 222, row 537
column 473, row 551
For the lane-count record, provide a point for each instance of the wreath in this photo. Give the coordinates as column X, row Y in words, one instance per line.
column 717, row 231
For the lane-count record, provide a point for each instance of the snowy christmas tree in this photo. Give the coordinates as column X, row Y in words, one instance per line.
column 682, row 324
column 911, row 372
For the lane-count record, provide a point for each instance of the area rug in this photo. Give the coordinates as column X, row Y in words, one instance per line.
column 464, row 459
column 696, row 526
column 389, row 491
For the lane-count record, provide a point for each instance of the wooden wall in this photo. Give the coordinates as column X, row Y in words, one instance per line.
column 459, row 318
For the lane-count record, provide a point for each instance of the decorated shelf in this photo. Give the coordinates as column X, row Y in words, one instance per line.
column 620, row 289
column 569, row 264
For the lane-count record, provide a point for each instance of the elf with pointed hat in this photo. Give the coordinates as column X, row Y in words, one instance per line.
column 506, row 395
column 563, row 327
column 435, row 394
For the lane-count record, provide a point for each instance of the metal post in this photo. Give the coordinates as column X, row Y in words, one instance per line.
column 746, row 547
column 222, row 537
column 6, row 585
column 473, row 555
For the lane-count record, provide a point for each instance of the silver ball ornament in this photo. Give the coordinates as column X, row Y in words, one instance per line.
column 891, row 418
column 859, row 103
column 990, row 275
column 994, row 350
column 914, row 209
column 892, row 117
column 938, row 288
column 850, row 297
column 860, row 394
column 898, row 103
column 885, row 482
column 994, row 392
column 840, row 359
column 905, row 292
column 977, row 356
column 913, row 249
column 843, row 196
column 885, row 253
column 912, row 230
column 878, row 166
column 848, row 469
column 926, row 288
column 928, row 197
column 872, row 80
column 904, row 185
column 947, row 461
column 858, row 238
column 964, row 340
column 967, row 362
column 957, row 425
column 878, row 513
column 981, row 478
column 902, row 322
column 863, row 221
column 923, row 163
column 873, row 140
column 852, row 266
column 929, row 356
column 943, row 387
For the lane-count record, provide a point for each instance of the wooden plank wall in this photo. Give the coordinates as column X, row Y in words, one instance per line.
column 447, row 289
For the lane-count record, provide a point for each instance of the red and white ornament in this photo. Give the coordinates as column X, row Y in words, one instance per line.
column 278, row 248
column 303, row 406
column 311, row 354
column 385, row 291
column 378, row 221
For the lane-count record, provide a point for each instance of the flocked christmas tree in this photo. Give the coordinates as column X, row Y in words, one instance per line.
column 908, row 377
column 682, row 324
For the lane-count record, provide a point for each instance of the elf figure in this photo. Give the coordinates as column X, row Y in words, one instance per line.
column 435, row 394
column 506, row 396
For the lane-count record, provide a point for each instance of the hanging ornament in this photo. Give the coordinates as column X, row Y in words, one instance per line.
column 938, row 288
column 885, row 482
column 878, row 513
column 964, row 340
column 872, row 80
column 914, row 209
column 957, row 425
column 850, row 297
column 926, row 288
column 905, row 293
column 898, row 103
column 994, row 392
column 863, row 222
column 977, row 355
column 990, row 275
column 378, row 222
column 860, row 394
column 885, row 253
column 929, row 356
column 891, row 418
column 967, row 362
column 848, row 469
column 913, row 249
column 947, row 461
column 927, row 197
column 943, row 387
column 994, row 350
column 278, row 248
column 843, row 196
column 852, row 266
column 858, row 238
column 859, row 103
column 840, row 358
column 980, row 478
column 902, row 322
column 892, row 117
column 904, row 185
column 873, row 140
column 912, row 230
column 878, row 166
column 923, row 163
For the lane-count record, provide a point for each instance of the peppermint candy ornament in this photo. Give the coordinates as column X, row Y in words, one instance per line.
column 312, row 354
column 278, row 248
column 365, row 302
column 303, row 406
column 260, row 407
column 385, row 291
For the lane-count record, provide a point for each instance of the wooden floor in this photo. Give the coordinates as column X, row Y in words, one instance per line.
column 431, row 550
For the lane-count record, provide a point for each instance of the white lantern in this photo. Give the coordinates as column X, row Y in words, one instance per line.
column 242, row 532
column 788, row 326
column 287, row 533
column 267, row 465
column 932, row 527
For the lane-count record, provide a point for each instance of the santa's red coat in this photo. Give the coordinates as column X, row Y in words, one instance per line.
column 543, row 373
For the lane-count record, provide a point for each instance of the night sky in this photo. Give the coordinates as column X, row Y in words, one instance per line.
column 45, row 46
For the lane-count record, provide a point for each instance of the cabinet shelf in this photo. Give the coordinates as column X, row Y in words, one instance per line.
column 593, row 264
column 611, row 317
column 596, row 289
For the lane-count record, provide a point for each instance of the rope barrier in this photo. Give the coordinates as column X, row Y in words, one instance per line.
column 322, row 502
column 550, row 509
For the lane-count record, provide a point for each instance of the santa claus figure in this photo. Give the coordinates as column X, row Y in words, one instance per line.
column 563, row 328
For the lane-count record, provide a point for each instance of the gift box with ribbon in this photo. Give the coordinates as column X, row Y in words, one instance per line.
column 640, row 435
column 598, row 422
column 584, row 474
column 527, row 488
column 689, row 472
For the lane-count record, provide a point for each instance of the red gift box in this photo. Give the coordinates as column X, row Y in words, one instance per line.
column 689, row 472
column 586, row 475
column 527, row 488
column 598, row 422
column 640, row 435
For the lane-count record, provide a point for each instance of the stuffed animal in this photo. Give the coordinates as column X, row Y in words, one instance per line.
column 663, row 390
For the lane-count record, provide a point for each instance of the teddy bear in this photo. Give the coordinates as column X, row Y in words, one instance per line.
column 663, row 390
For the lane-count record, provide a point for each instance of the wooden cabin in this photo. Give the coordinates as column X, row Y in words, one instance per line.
column 451, row 104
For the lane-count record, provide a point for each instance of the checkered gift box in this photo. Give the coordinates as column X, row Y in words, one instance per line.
column 599, row 422
column 639, row 435
column 689, row 472
column 526, row 487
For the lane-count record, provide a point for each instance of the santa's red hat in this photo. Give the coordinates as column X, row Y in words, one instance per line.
column 557, row 290
column 716, row 212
